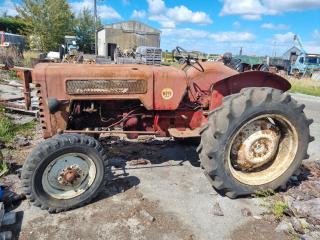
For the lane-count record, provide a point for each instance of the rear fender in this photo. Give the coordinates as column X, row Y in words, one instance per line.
column 234, row 84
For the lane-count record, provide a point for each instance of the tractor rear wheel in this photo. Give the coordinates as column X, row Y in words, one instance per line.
column 255, row 140
column 65, row 172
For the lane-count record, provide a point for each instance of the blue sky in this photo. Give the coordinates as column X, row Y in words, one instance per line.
column 261, row 27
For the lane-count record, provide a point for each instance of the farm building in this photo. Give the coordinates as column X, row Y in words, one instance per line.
column 292, row 54
column 125, row 35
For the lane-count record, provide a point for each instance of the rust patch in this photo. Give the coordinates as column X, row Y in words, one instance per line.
column 255, row 145
column 69, row 175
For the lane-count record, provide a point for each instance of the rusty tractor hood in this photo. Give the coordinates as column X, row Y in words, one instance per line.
column 65, row 81
column 103, row 82
column 157, row 87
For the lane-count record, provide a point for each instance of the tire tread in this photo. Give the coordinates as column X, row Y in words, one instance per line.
column 49, row 146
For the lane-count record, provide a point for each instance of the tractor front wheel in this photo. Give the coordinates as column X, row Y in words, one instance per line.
column 255, row 140
column 65, row 172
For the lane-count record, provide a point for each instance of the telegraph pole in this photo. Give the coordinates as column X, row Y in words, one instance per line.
column 95, row 25
column 274, row 51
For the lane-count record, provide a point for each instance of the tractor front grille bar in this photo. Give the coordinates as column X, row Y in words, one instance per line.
column 100, row 87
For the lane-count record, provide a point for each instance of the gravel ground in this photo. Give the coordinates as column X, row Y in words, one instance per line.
column 167, row 198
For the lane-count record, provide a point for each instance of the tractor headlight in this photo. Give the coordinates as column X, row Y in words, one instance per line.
column 53, row 104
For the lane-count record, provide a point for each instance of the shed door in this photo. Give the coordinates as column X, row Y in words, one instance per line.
column 111, row 49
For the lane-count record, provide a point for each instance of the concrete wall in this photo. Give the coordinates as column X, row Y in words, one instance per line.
column 101, row 43
column 133, row 26
column 126, row 39
column 127, row 35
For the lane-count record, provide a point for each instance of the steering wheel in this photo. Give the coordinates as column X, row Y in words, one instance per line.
column 183, row 53
column 188, row 59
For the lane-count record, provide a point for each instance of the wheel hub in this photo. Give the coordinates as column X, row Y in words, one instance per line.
column 70, row 175
column 255, row 145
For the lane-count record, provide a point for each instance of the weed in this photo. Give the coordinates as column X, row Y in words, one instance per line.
column 264, row 193
column 278, row 208
column 6, row 128
column 3, row 166
column 12, row 74
column 274, row 203
column 28, row 56
column 9, row 129
column 8, row 75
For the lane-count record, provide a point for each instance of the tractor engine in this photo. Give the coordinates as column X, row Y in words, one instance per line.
column 131, row 117
column 114, row 116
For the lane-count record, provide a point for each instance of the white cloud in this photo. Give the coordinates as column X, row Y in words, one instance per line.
column 219, row 37
column 156, row 6
column 254, row 9
column 291, row 5
column 184, row 33
column 9, row 8
column 251, row 17
column 232, row 36
column 274, row 26
column 208, row 45
column 164, row 21
column 138, row 14
column 312, row 47
column 170, row 17
column 78, row 6
column 104, row 11
column 182, row 14
column 283, row 38
column 248, row 9
column 107, row 12
column 211, row 42
column 282, row 42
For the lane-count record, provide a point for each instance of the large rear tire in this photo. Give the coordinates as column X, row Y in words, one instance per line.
column 255, row 140
column 65, row 172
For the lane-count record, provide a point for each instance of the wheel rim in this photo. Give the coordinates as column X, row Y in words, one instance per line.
column 262, row 150
column 69, row 175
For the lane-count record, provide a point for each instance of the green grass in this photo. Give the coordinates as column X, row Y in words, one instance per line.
column 12, row 74
column 305, row 86
column 8, row 75
column 28, row 56
column 4, row 169
column 272, row 202
column 264, row 193
column 9, row 130
column 305, row 90
column 278, row 208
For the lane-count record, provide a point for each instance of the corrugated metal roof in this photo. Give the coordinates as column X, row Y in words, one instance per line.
column 131, row 26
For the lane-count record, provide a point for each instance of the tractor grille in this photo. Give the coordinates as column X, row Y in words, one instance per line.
column 100, row 87
column 41, row 109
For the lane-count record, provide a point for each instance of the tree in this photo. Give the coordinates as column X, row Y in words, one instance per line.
column 12, row 25
column 85, row 30
column 48, row 20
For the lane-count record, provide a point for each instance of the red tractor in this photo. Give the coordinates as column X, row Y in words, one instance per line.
column 254, row 136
